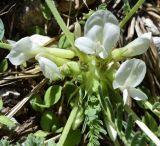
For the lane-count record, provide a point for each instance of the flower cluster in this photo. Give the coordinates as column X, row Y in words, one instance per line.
column 101, row 33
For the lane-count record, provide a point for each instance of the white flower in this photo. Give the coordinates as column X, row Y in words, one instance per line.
column 138, row 46
column 129, row 75
column 26, row 48
column 49, row 68
column 101, row 33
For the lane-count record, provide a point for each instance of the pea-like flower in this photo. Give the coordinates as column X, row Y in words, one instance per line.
column 136, row 47
column 130, row 75
column 101, row 33
column 49, row 68
column 26, row 48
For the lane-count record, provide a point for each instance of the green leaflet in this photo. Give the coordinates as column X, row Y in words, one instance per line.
column 6, row 121
column 52, row 95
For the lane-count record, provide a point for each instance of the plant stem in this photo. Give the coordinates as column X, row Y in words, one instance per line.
column 60, row 21
column 143, row 127
column 67, row 126
column 132, row 11
column 5, row 46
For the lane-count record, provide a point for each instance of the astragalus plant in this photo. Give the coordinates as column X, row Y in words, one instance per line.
column 106, row 79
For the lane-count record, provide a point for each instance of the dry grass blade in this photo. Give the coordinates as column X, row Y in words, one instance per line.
column 131, row 29
column 17, row 107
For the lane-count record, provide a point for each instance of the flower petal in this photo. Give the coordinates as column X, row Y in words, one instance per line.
column 94, row 27
column 130, row 74
column 85, row 45
column 49, row 68
column 22, row 51
column 137, row 94
column 125, row 96
column 138, row 46
column 95, row 33
column 99, row 18
column 17, row 58
column 111, row 33
column 40, row 39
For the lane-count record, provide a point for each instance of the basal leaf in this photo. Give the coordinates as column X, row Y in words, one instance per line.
column 6, row 121
column 35, row 101
column 52, row 95
column 48, row 119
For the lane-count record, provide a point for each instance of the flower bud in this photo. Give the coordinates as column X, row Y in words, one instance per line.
column 70, row 68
